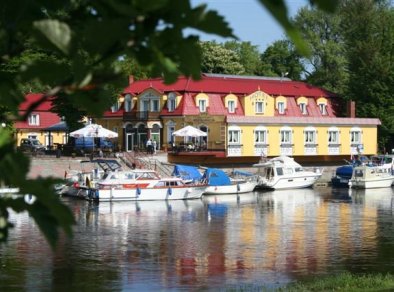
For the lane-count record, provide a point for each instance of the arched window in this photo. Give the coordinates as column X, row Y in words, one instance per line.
column 171, row 101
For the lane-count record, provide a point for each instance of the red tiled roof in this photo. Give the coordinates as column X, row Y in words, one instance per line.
column 231, row 84
column 32, row 98
column 47, row 118
column 323, row 120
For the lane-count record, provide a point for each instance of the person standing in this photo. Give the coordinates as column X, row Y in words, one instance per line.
column 154, row 146
column 149, row 146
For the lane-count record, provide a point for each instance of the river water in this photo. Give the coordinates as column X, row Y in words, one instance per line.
column 261, row 239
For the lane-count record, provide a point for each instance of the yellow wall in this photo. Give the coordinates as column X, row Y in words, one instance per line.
column 57, row 137
column 249, row 104
column 369, row 139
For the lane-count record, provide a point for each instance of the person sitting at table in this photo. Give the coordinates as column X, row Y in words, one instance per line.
column 190, row 147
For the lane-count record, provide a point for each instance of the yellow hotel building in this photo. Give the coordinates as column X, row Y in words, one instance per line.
column 245, row 118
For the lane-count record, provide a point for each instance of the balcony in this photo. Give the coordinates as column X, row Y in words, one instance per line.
column 141, row 116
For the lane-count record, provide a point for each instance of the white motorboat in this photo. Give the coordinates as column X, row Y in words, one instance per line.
column 284, row 173
column 368, row 177
column 220, row 183
column 143, row 185
column 78, row 182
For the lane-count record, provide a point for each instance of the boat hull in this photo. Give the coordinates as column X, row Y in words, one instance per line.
column 237, row 188
column 383, row 182
column 147, row 194
column 280, row 183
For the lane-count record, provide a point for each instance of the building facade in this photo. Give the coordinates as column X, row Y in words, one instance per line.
column 39, row 123
column 245, row 118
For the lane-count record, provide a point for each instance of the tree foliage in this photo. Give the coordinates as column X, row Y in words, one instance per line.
column 326, row 65
column 282, row 59
column 369, row 32
column 248, row 54
column 217, row 59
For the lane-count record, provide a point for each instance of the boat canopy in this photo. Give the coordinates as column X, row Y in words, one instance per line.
column 242, row 173
column 216, row 177
column 187, row 172
column 344, row 171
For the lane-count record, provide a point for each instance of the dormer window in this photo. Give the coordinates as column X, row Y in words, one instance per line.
column 281, row 107
column 303, row 109
column 115, row 107
column 323, row 109
column 34, row 120
column 171, row 102
column 127, row 103
column 155, row 105
column 259, row 107
column 202, row 105
column 231, row 106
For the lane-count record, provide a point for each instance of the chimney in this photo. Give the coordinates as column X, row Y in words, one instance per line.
column 131, row 79
column 351, row 109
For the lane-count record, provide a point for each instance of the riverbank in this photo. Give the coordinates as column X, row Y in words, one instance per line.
column 46, row 166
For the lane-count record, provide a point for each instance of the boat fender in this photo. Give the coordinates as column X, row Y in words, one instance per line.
column 238, row 187
column 138, row 191
column 169, row 191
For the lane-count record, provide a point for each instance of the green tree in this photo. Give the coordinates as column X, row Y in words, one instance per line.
column 217, row 59
column 326, row 65
column 281, row 59
column 248, row 54
column 368, row 27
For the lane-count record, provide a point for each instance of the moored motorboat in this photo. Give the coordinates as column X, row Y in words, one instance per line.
column 284, row 173
column 78, row 182
column 143, row 185
column 367, row 177
column 220, row 183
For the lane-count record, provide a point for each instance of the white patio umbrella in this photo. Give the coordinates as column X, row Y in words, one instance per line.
column 93, row 131
column 189, row 131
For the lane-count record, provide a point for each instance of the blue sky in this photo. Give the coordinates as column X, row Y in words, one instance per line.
column 249, row 20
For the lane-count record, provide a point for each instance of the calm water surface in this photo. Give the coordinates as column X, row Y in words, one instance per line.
column 259, row 239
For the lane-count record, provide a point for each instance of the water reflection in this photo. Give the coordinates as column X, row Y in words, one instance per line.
column 267, row 238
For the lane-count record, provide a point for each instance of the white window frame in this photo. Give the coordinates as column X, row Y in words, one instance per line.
column 155, row 105
column 231, row 106
column 310, row 136
column 281, row 107
column 333, row 136
column 303, row 108
column 170, row 131
column 115, row 107
column 234, row 136
column 355, row 136
column 171, row 102
column 260, row 136
column 259, row 107
column 286, row 136
column 128, row 103
column 33, row 120
column 202, row 105
column 323, row 109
